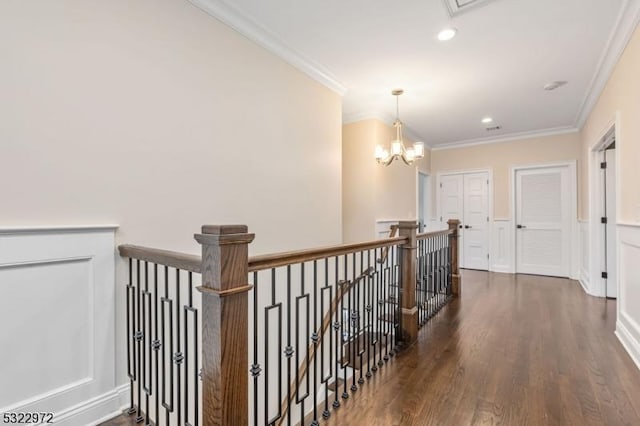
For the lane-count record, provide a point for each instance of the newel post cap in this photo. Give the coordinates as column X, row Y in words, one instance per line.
column 224, row 234
column 408, row 224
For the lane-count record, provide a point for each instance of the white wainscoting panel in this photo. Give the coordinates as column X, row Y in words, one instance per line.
column 583, row 234
column 501, row 246
column 57, row 314
column 628, row 323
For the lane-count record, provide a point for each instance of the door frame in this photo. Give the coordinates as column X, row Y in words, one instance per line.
column 596, row 284
column 489, row 172
column 573, row 212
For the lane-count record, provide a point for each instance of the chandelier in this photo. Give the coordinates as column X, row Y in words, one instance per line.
column 398, row 150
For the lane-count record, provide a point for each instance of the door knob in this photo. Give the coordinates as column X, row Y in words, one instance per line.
column 467, row 227
column 520, row 226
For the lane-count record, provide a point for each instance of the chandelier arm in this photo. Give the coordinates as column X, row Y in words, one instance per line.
column 389, row 160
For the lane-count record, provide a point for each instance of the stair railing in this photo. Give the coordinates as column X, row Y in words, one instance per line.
column 275, row 339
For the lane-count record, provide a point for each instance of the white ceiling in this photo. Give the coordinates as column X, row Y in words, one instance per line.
column 504, row 53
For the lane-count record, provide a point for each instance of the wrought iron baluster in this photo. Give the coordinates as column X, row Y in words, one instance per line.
column 255, row 367
column 354, row 337
column 138, row 337
column 167, row 302
column 130, row 321
column 156, row 344
column 278, row 307
column 146, row 332
column 325, row 379
column 300, row 399
column 315, row 339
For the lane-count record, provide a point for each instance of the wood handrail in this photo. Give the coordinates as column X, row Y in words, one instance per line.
column 259, row 263
column 173, row 259
column 426, row 235
column 193, row 263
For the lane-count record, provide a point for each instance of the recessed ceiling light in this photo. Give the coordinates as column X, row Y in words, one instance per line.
column 447, row 34
column 487, row 120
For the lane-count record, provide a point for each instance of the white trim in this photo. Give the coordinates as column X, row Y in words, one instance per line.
column 76, row 398
column 627, row 326
column 123, row 393
column 628, row 224
column 625, row 25
column 108, row 405
column 511, row 137
column 501, row 264
column 232, row 16
column 630, row 344
column 574, row 271
column 24, row 229
column 596, row 238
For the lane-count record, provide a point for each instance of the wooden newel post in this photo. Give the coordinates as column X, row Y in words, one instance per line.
column 225, row 254
column 454, row 224
column 409, row 319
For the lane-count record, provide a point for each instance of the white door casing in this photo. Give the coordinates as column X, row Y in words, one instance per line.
column 543, row 225
column 610, row 213
column 476, row 221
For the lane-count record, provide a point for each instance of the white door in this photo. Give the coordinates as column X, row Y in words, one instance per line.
column 451, row 205
column 543, row 223
column 465, row 197
column 610, row 214
column 451, row 197
column 475, row 231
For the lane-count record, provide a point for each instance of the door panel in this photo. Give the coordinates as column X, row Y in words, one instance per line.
column 476, row 225
column 451, row 202
column 542, row 218
column 451, row 197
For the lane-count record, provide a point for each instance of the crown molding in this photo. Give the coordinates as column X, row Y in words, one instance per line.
column 234, row 18
column 521, row 136
column 625, row 25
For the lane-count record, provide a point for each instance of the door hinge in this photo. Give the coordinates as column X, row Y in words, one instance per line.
column 603, row 165
column 603, row 220
column 487, row 181
column 605, row 275
column 487, row 218
column 440, row 218
column 487, row 255
column 440, row 184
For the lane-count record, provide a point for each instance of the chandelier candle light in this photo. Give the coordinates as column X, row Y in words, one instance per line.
column 398, row 150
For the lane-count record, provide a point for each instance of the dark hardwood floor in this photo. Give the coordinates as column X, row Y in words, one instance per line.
column 513, row 350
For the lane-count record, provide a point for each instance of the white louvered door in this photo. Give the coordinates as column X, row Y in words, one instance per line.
column 543, row 223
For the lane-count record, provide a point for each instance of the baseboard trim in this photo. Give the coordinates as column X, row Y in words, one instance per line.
column 95, row 410
column 585, row 284
column 631, row 345
column 501, row 269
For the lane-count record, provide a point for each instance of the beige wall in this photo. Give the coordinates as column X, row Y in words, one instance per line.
column 370, row 191
column 502, row 156
column 620, row 96
column 155, row 116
